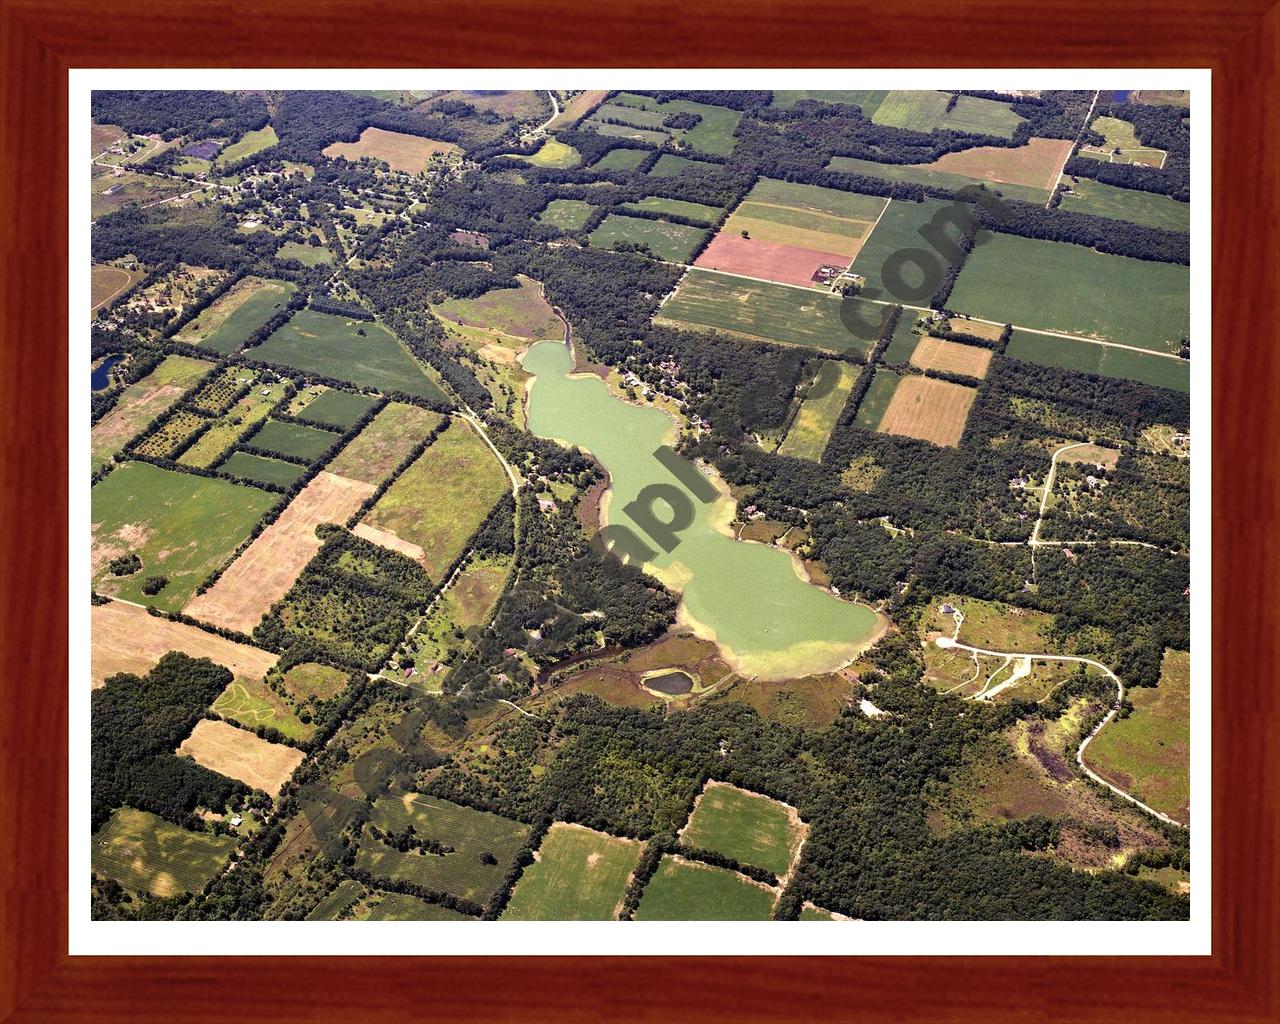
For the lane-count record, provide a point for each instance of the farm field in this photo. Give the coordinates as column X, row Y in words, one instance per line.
column 141, row 402
column 261, row 469
column 868, row 99
column 247, row 145
column 752, row 829
column 440, row 500
column 127, row 638
column 145, row 853
column 1085, row 357
column 1148, row 753
column 252, row 703
column 951, row 357
column 267, row 568
column 648, row 136
column 876, row 401
column 1147, row 208
column 333, row 346
column 468, row 833
column 929, row 409
column 281, row 437
column 338, row 409
column 694, row 211
column 1062, row 287
column 396, row 906
column 575, row 108
column 307, row 255
column 713, row 134
column 671, row 166
column 241, row 755
column 332, row 908
column 374, row 453
column 926, row 111
column 904, row 341
column 506, row 313
column 683, row 891
column 673, row 243
column 808, row 435
column 228, row 428
column 107, row 283
column 1027, row 173
column 760, row 311
column 567, row 214
column 182, row 526
column 406, row 153
column 898, row 229
column 621, row 160
column 233, row 317
column 578, row 875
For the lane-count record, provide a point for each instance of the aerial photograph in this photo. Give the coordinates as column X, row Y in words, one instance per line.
column 638, row 505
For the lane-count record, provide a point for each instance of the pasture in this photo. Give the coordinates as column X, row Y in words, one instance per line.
column 951, row 357
column 1149, row 209
column 252, row 703
column 267, row 568
column 928, row 409
column 234, row 316
column 408, row 154
column 247, row 145
column 145, row 853
column 505, row 313
column 359, row 352
column 819, row 411
column 761, row 311
column 466, row 833
column 241, row 755
column 694, row 211
column 141, row 402
column 1062, row 287
column 293, row 439
column 107, row 283
column 554, row 153
column 1086, row 357
column 440, row 500
column 621, row 160
column 261, row 469
column 577, row 875
column 181, row 525
column 904, row 341
column 307, row 255
column 672, row 243
column 872, row 408
column 566, row 214
column 682, row 890
column 1122, row 145
column 752, row 829
column 374, row 453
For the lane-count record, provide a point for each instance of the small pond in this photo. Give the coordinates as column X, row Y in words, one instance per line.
column 101, row 375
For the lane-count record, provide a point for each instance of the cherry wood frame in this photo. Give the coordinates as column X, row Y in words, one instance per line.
column 41, row 39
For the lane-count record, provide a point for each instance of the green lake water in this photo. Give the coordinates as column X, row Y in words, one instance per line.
column 749, row 598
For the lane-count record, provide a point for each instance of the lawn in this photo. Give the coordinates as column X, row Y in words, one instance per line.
column 925, row 174
column 333, row 346
column 374, row 453
column 248, row 144
column 681, row 891
column 307, row 255
column 141, row 402
column 899, row 229
column 1147, row 208
column 554, row 153
column 752, row 829
column 566, row 214
column 228, row 323
column 761, row 311
column 1062, row 287
column 467, row 833
column 693, row 211
column 621, row 160
column 261, row 469
column 440, row 500
column 292, row 439
column 181, row 525
column 145, row 853
column 1086, row 357
column 813, row 424
column 872, row 408
column 338, row 409
column 579, row 875
column 673, row 243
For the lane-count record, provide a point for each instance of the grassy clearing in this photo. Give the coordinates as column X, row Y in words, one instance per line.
column 1062, row 287
column 681, row 891
column 293, row 439
column 1147, row 208
column 467, row 833
column 252, row 703
column 813, row 424
column 671, row 166
column 145, row 853
column 567, row 214
column 376, row 451
column 621, row 160
column 107, row 282
column 554, row 153
column 761, row 311
column 339, row 409
column 673, row 243
column 511, row 312
column 694, row 211
column 752, row 829
column 228, row 323
column 579, row 875
column 408, row 154
column 868, row 99
column 307, row 255
column 1085, row 357
column 874, row 403
column 247, row 145
column 261, row 469
column 313, row 681
column 181, row 525
column 439, row 501
column 336, row 347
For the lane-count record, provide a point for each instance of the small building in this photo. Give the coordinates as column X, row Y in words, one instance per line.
column 546, row 504
column 948, row 609
column 236, row 821
column 265, row 391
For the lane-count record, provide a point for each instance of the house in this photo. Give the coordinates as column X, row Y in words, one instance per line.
column 235, row 821
column 948, row 609
column 546, row 505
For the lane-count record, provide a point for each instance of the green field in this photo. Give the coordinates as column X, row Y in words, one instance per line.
column 924, row 110
column 145, row 853
column 332, row 346
column 680, row 891
column 252, row 703
column 808, row 435
column 919, row 175
column 816, row 914
column 671, row 166
column 1148, row 753
column 566, row 214
column 374, row 453
column 694, row 211
column 579, row 875
column 292, row 439
column 1147, row 208
column 621, row 160
column 673, row 243
column 307, row 255
column 334, row 408
column 1061, row 287
column 248, row 144
column 228, row 322
column 651, row 136
column 181, row 525
column 761, row 311
column 468, row 833
column 343, row 898
column 397, row 906
column 554, row 153
column 713, row 134
column 904, row 341
column 868, row 99
column 440, row 500
column 1085, row 357
column 229, row 427
column 261, row 469
column 141, row 402
column 898, row 229
column 876, row 400
column 752, row 829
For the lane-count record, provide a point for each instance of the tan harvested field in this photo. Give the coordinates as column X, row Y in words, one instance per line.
column 1092, row 454
column 267, row 568
column 377, row 450
column 977, row 328
column 388, row 540
column 126, row 638
column 407, row 153
column 239, row 754
column 772, row 261
column 951, row 357
column 107, row 282
column 1036, row 164
column 932, row 410
column 578, row 107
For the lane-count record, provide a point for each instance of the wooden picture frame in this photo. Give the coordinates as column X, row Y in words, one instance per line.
column 42, row 39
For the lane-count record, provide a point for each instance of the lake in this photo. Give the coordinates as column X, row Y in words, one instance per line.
column 751, row 599
column 101, row 376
